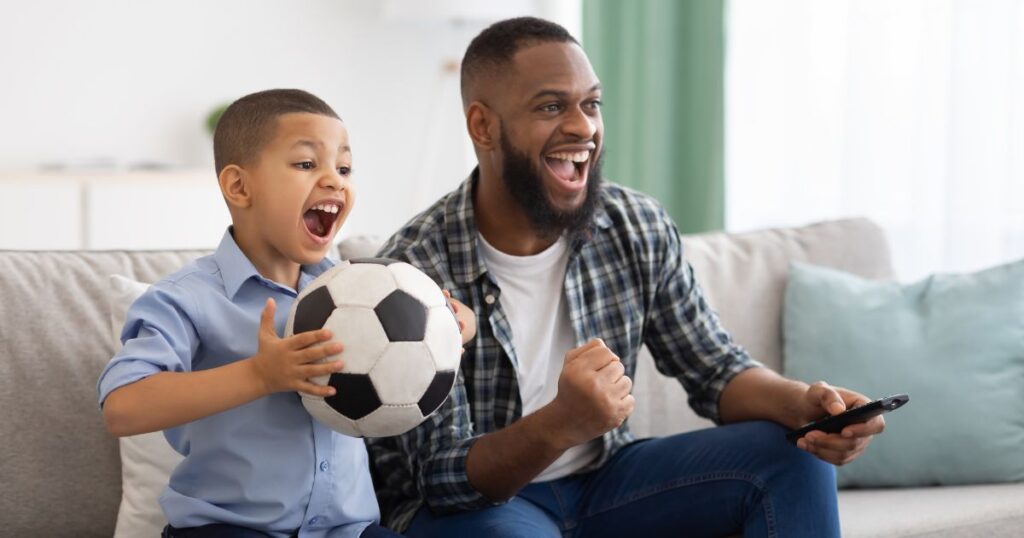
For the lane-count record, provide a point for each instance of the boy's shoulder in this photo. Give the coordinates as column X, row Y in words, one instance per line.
column 198, row 277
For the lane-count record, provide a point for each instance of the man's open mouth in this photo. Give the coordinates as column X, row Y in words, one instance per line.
column 321, row 217
column 569, row 166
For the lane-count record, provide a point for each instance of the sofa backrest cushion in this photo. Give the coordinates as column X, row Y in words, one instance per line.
column 743, row 277
column 59, row 468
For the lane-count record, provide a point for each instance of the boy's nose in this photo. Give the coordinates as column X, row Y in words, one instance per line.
column 332, row 180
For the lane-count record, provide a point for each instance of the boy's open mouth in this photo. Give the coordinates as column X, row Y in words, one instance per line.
column 321, row 217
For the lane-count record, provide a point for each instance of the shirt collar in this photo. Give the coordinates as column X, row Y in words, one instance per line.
column 236, row 269
column 461, row 230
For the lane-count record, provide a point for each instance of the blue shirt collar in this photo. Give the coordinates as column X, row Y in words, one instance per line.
column 236, row 269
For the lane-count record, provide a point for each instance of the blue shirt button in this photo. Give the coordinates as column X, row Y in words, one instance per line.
column 314, row 521
column 324, row 466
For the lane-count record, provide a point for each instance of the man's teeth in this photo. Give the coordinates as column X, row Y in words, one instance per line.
column 326, row 208
column 574, row 156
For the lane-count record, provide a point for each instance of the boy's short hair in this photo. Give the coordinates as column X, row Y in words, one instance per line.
column 494, row 47
column 248, row 123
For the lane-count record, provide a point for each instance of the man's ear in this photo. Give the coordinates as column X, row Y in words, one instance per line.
column 235, row 187
column 482, row 124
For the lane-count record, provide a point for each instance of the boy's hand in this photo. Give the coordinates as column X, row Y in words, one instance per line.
column 467, row 321
column 284, row 364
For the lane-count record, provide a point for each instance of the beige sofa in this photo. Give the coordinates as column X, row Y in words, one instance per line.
column 60, row 473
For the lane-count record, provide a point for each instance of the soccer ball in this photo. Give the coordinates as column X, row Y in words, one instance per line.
column 401, row 341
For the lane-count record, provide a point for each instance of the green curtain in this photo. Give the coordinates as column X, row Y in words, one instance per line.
column 661, row 66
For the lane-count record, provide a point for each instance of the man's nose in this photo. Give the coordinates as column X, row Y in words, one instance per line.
column 580, row 124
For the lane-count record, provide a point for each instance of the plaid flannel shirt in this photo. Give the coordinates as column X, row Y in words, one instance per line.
column 626, row 282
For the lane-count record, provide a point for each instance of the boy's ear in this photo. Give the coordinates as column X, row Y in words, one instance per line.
column 234, row 186
column 481, row 122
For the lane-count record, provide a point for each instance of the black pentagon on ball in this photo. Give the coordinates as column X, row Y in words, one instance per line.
column 313, row 310
column 403, row 317
column 355, row 397
column 436, row 393
column 378, row 261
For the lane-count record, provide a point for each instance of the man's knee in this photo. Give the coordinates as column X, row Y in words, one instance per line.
column 790, row 460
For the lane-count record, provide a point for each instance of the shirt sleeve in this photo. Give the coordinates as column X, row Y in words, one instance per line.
column 158, row 336
column 438, row 449
column 684, row 334
column 433, row 454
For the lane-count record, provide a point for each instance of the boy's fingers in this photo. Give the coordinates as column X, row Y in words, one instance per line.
column 311, row 354
column 267, row 319
column 308, row 338
column 314, row 389
column 326, row 368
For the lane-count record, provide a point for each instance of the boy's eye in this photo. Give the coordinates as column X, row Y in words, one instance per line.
column 305, row 165
column 344, row 170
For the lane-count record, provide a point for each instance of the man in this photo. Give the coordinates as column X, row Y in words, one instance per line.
column 569, row 276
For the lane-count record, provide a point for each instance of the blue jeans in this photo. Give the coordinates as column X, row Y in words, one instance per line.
column 741, row 478
column 221, row 530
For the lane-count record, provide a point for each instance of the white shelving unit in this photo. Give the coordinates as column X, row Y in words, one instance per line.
column 105, row 210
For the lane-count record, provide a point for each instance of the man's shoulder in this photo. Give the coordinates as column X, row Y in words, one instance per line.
column 629, row 208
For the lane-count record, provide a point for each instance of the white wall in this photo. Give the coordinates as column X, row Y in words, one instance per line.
column 128, row 83
column 910, row 113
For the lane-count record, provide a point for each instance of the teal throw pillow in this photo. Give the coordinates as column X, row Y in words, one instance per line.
column 953, row 342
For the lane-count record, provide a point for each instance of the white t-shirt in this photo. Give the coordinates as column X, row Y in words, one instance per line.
column 533, row 299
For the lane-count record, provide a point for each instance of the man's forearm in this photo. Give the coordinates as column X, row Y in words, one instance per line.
column 761, row 394
column 501, row 463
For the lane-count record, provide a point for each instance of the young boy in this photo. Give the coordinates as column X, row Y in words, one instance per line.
column 202, row 359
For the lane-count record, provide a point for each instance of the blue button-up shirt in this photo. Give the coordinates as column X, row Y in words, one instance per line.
column 267, row 464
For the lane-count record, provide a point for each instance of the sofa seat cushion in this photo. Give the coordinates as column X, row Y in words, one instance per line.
column 939, row 512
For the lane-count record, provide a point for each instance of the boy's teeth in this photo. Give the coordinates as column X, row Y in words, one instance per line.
column 326, row 208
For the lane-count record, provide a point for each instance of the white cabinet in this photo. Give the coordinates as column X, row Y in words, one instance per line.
column 40, row 214
column 117, row 210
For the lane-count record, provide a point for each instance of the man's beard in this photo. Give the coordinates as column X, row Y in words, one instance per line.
column 527, row 187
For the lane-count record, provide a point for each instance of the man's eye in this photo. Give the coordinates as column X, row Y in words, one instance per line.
column 596, row 103
column 305, row 165
column 344, row 170
column 553, row 107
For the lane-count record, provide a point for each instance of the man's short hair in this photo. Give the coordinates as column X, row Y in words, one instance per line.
column 494, row 47
column 250, row 123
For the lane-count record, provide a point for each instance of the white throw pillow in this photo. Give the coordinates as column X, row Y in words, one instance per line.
column 146, row 460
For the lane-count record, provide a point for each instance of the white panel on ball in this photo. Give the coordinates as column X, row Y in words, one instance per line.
column 334, row 420
column 361, row 284
column 389, row 420
column 416, row 283
column 403, row 373
column 361, row 336
column 443, row 338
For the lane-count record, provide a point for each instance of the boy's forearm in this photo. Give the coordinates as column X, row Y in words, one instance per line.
column 170, row 399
